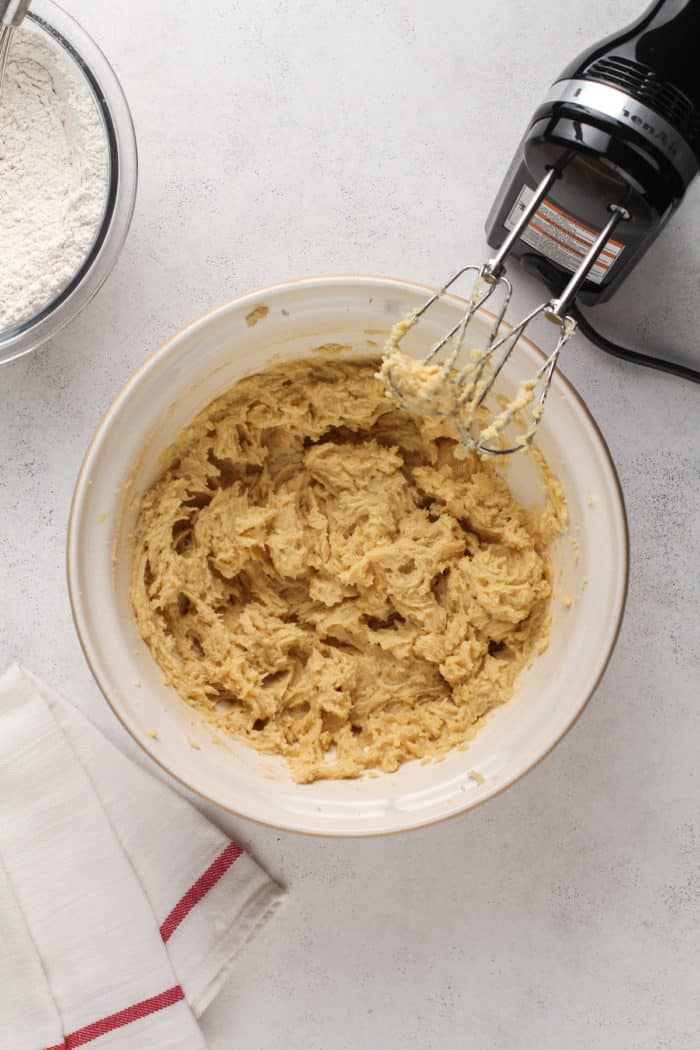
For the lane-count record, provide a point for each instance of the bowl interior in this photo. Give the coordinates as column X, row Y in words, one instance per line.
column 125, row 457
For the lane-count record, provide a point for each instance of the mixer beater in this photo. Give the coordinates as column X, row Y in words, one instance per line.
column 612, row 148
column 440, row 387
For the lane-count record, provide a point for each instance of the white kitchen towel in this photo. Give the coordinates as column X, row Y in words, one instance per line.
column 121, row 907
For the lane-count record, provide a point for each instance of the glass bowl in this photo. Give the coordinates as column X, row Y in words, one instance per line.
column 122, row 177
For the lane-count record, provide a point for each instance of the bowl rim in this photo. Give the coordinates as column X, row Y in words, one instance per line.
column 80, row 488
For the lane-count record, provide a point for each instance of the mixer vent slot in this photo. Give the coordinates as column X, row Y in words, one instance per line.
column 642, row 83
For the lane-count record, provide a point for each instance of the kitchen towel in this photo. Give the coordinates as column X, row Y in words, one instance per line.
column 121, row 907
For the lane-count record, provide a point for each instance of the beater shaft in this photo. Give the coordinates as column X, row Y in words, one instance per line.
column 558, row 307
column 495, row 265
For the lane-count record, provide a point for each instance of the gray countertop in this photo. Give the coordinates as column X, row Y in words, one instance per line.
column 278, row 140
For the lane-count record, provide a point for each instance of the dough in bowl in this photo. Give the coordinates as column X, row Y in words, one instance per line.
column 319, row 577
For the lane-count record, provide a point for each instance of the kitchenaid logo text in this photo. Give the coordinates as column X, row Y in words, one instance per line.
column 659, row 135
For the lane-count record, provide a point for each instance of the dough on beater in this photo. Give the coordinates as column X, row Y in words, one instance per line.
column 435, row 390
column 417, row 387
column 320, row 578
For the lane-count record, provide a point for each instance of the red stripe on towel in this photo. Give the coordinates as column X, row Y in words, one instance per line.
column 216, row 870
column 120, row 1019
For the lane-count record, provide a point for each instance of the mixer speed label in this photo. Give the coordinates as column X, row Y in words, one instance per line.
column 561, row 237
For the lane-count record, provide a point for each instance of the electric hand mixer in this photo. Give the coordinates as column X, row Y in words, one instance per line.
column 611, row 149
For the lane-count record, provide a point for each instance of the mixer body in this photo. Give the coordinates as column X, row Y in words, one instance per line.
column 621, row 126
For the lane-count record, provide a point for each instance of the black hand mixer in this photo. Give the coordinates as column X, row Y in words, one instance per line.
column 606, row 159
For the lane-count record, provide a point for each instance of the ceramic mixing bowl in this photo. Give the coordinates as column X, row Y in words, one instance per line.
column 182, row 377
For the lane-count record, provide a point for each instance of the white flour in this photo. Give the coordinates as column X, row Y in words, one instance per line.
column 53, row 174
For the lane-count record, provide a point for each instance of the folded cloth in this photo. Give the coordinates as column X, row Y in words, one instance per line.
column 121, row 907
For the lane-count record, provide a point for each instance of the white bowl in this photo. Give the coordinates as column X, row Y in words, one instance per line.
column 124, row 458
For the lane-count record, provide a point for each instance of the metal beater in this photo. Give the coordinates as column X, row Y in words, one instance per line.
column 11, row 14
column 613, row 146
column 471, row 384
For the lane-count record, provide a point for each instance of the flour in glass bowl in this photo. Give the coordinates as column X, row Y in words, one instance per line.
column 54, row 169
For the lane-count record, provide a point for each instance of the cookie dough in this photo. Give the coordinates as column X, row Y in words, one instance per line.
column 319, row 577
column 434, row 390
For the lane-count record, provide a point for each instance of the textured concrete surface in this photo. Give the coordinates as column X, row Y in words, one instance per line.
column 282, row 139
